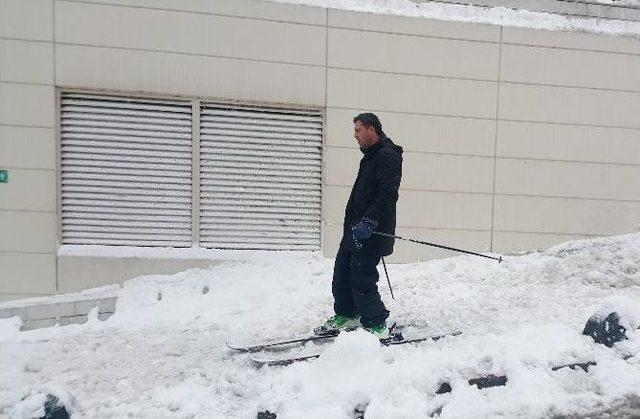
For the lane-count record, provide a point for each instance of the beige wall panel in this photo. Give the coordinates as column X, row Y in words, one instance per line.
column 191, row 33
column 570, row 68
column 564, row 179
column 423, row 209
column 26, row 61
column 568, row 142
column 418, row 132
column 29, row 231
column 27, row 148
column 405, row 252
column 570, row 39
column 569, row 105
column 341, row 166
column 414, row 26
column 447, row 173
column 518, row 242
column 23, row 104
column 419, row 171
column 76, row 273
column 242, row 8
column 27, row 273
column 334, row 202
column 29, row 190
column 410, row 54
column 566, row 216
column 411, row 94
column 26, row 19
column 132, row 71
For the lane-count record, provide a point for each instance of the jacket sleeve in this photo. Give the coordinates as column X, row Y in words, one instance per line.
column 388, row 174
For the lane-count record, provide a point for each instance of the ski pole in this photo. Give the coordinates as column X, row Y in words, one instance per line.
column 388, row 281
column 438, row 245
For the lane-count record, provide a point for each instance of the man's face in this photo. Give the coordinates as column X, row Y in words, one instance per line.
column 365, row 136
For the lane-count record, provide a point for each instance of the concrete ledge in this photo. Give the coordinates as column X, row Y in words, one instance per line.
column 63, row 310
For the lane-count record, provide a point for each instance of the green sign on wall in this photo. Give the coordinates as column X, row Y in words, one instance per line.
column 4, row 176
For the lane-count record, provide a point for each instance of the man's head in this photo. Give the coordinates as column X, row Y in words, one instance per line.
column 367, row 130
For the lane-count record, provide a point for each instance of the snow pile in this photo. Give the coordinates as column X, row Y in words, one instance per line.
column 476, row 14
column 163, row 352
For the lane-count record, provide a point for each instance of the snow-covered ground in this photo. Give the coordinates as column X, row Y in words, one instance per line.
column 163, row 353
column 487, row 15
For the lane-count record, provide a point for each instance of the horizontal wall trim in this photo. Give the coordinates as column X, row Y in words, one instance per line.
column 349, row 186
column 478, row 230
column 482, row 118
column 496, row 80
column 425, row 76
column 546, row 233
column 577, row 198
column 26, row 83
column 3, row 252
column 558, row 233
column 189, row 54
column 27, row 211
column 415, row 113
column 595, row 51
column 563, row 86
column 569, row 161
column 193, row 12
column 435, row 153
column 26, row 126
column 28, row 168
column 417, row 35
column 38, row 41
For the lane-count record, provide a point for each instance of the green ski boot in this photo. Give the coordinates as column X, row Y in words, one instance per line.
column 336, row 324
column 380, row 331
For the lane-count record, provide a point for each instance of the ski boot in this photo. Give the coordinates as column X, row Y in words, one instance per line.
column 381, row 331
column 336, row 324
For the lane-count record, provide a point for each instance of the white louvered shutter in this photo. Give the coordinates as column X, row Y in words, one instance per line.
column 260, row 180
column 126, row 171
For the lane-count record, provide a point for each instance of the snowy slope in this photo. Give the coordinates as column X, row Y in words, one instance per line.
column 162, row 354
column 492, row 16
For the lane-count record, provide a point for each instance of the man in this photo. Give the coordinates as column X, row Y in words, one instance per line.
column 371, row 207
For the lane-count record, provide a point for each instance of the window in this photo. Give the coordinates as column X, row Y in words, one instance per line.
column 127, row 174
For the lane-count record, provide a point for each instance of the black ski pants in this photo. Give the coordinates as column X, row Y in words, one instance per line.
column 355, row 288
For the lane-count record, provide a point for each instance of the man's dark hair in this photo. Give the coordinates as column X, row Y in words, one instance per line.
column 369, row 120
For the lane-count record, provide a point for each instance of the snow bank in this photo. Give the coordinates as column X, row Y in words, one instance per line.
column 475, row 14
column 163, row 352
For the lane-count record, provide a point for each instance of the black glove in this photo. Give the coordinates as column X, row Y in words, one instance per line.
column 363, row 230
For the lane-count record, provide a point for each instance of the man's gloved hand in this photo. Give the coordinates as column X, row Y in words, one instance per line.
column 363, row 230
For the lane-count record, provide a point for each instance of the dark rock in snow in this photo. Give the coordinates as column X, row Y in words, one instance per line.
column 605, row 329
column 444, row 388
column 489, row 381
column 54, row 409
column 266, row 415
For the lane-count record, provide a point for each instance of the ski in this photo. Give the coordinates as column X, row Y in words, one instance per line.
column 395, row 340
column 277, row 344
column 320, row 334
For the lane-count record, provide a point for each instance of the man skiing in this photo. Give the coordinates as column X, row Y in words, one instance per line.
column 371, row 207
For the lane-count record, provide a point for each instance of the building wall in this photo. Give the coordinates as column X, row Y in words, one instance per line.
column 514, row 138
column 27, row 149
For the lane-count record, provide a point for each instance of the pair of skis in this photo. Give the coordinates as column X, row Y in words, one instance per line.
column 395, row 339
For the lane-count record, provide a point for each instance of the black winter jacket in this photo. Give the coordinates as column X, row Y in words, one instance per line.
column 374, row 195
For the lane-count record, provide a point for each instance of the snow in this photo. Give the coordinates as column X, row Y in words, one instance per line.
column 492, row 16
column 163, row 352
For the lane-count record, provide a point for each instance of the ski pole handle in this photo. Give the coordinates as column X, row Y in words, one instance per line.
column 499, row 259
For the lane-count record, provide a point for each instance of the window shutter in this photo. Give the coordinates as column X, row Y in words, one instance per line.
column 261, row 172
column 126, row 171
